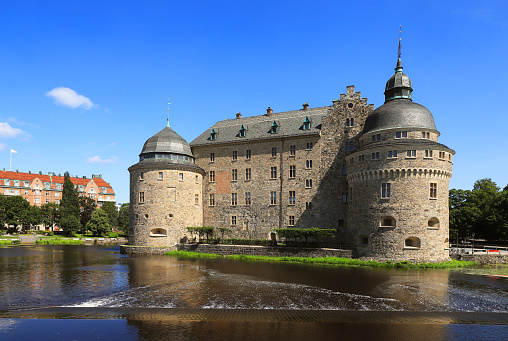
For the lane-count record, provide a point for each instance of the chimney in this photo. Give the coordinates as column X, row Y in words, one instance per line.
column 238, row 115
column 40, row 172
column 269, row 111
column 29, row 172
column 305, row 106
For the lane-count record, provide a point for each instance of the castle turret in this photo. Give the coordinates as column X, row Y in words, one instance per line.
column 398, row 181
column 165, row 191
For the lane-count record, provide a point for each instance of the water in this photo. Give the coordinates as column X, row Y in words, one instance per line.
column 93, row 292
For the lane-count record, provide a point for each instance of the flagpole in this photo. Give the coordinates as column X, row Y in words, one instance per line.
column 10, row 162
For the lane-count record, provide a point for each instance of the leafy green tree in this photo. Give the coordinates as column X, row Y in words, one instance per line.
column 32, row 217
column 99, row 223
column 123, row 218
column 86, row 208
column 69, row 207
column 17, row 210
column 110, row 209
column 50, row 215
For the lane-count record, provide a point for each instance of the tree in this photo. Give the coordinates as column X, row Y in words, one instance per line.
column 50, row 215
column 86, row 208
column 110, row 209
column 99, row 223
column 123, row 218
column 17, row 210
column 69, row 207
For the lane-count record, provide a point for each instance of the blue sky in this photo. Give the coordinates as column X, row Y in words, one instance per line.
column 83, row 84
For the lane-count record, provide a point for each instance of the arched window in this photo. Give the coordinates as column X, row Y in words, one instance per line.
column 446, row 243
column 363, row 240
column 158, row 232
column 412, row 243
column 388, row 221
column 433, row 223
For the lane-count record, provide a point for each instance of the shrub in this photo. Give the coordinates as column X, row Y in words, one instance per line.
column 113, row 235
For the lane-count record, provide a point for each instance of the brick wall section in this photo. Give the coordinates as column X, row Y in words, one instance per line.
column 241, row 250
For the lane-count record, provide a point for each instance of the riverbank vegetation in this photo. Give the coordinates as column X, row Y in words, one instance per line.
column 58, row 241
column 337, row 261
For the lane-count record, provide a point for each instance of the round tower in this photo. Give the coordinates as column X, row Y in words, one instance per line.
column 398, row 181
column 165, row 191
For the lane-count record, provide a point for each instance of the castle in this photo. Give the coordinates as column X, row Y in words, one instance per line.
column 380, row 177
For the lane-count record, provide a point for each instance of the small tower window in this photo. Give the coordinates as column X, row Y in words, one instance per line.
column 306, row 123
column 242, row 132
column 412, row 243
column 274, row 128
column 213, row 135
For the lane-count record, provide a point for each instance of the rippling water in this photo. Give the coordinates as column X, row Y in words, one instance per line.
column 86, row 277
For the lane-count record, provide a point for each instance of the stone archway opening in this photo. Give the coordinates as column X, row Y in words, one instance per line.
column 387, row 221
column 412, row 243
column 433, row 223
column 158, row 232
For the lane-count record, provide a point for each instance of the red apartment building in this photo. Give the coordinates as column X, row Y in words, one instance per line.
column 39, row 189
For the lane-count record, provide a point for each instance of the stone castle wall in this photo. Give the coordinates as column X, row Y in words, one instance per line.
column 169, row 205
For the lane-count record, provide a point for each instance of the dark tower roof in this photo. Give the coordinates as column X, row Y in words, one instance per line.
column 167, row 141
column 399, row 111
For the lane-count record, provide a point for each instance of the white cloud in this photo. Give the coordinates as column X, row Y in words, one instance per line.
column 97, row 159
column 3, row 146
column 70, row 98
column 7, row 131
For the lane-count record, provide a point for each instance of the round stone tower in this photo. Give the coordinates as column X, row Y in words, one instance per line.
column 165, row 191
column 398, row 181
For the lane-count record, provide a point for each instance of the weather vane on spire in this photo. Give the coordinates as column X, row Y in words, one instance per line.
column 400, row 33
column 168, row 113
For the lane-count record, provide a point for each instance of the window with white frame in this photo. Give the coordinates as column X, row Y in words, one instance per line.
column 248, row 173
column 428, row 153
column 410, row 153
column 211, row 199
column 234, row 199
column 247, row 198
column 292, row 171
column 392, row 154
column 273, row 172
column 234, row 174
column 433, row 190
column 211, row 176
column 291, row 220
column 235, row 155
column 386, row 190
column 401, row 134
column 273, row 198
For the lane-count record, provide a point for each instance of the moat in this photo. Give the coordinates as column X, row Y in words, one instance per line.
column 94, row 292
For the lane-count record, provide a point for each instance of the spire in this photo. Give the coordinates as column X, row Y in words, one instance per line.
column 399, row 63
column 167, row 124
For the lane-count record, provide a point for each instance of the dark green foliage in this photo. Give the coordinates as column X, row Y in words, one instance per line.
column 297, row 234
column 99, row 223
column 69, row 207
column 50, row 215
column 17, row 211
column 482, row 212
column 110, row 209
column 201, row 231
column 86, row 208
column 123, row 218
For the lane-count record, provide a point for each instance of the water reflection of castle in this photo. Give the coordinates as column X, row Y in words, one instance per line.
column 380, row 177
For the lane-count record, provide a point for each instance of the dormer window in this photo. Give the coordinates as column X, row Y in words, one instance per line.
column 242, row 132
column 213, row 135
column 306, row 123
column 274, row 129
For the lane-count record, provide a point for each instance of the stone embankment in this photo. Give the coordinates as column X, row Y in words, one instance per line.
column 221, row 249
column 483, row 259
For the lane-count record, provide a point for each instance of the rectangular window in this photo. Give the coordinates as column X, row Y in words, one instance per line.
column 392, row 154
column 411, row 153
column 247, row 198
column 234, row 174
column 234, row 199
column 310, row 145
column 212, row 157
column 37, row 201
column 386, row 191
column 47, row 193
column 247, row 173
column 16, row 184
column 26, row 184
column 196, row 199
column 197, row 181
column 292, row 197
column 308, row 205
column 212, row 176
column 46, row 185
column 308, row 183
column 308, row 164
column 428, row 153
column 292, row 150
column 273, row 198
column 361, row 158
column 425, row 135
column 57, row 194
column 161, row 175
column 26, row 193
column 273, row 172
column 433, row 190
column 442, row 155
column 180, row 176
column 233, row 220
column 141, row 175
column 292, row 171
column 374, row 156
column 211, row 198
column 235, row 155
column 56, row 201
column 248, row 154
column 141, row 197
column 291, row 220
column 344, row 198
column 401, row 134
column 274, row 151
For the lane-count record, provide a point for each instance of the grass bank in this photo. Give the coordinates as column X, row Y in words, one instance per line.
column 9, row 242
column 327, row 261
column 58, row 241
